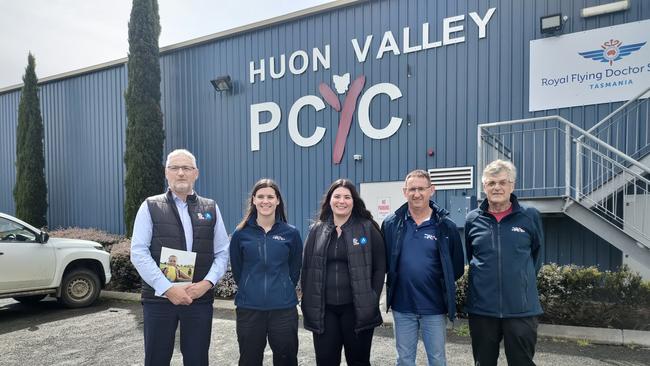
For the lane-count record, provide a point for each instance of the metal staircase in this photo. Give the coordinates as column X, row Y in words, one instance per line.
column 598, row 177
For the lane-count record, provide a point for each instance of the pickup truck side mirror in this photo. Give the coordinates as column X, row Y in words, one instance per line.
column 44, row 237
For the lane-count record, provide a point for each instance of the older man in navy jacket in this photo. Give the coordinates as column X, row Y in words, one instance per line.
column 503, row 242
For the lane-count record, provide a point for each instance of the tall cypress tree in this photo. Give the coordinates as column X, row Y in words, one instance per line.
column 144, row 133
column 30, row 191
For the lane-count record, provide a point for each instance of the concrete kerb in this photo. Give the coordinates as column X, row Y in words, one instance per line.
column 639, row 337
column 591, row 335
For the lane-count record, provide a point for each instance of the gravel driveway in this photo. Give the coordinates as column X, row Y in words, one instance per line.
column 110, row 333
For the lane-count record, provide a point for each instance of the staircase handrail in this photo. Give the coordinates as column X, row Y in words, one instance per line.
column 614, row 162
column 609, row 116
column 567, row 123
column 495, row 141
column 634, row 176
column 568, row 126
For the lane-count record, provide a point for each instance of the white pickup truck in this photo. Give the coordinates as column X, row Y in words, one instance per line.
column 33, row 265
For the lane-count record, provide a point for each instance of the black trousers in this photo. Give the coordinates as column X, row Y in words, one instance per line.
column 519, row 338
column 160, row 323
column 339, row 332
column 279, row 326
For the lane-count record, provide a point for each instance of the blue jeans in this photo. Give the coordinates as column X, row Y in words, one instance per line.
column 434, row 332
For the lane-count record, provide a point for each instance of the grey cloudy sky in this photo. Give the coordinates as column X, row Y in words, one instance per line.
column 66, row 35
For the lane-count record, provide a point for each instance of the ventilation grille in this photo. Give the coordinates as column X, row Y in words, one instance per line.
column 452, row 178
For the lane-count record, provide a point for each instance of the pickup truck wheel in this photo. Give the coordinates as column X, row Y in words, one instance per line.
column 79, row 288
column 33, row 299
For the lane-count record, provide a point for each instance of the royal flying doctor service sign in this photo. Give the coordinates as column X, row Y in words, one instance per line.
column 603, row 65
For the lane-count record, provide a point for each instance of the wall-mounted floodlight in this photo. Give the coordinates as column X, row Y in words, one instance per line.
column 605, row 8
column 551, row 23
column 222, row 83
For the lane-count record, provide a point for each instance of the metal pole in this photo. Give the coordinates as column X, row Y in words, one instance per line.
column 578, row 171
column 479, row 163
column 567, row 163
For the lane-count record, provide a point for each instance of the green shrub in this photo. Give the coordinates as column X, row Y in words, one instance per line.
column 226, row 287
column 125, row 277
column 105, row 239
column 584, row 296
column 574, row 295
column 624, row 287
column 461, row 293
column 563, row 290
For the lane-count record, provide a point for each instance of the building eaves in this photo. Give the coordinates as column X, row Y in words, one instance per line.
column 200, row 40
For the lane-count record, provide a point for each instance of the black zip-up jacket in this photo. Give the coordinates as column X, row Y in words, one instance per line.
column 366, row 274
column 338, row 289
column 266, row 266
column 504, row 258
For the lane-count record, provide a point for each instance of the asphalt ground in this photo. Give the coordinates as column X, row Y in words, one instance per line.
column 110, row 333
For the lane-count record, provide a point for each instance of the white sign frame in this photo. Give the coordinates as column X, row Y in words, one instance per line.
column 603, row 65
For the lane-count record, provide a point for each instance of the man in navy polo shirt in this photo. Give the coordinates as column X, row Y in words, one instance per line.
column 425, row 258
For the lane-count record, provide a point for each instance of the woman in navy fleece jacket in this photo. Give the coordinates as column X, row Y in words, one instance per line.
column 266, row 257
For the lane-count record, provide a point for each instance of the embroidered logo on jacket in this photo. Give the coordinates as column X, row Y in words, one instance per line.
column 204, row 216
column 361, row 241
column 517, row 229
column 278, row 237
column 430, row 237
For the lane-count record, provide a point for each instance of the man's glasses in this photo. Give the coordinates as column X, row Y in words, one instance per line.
column 501, row 183
column 413, row 190
column 185, row 169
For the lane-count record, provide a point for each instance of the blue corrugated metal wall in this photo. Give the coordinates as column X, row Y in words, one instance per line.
column 8, row 122
column 85, row 122
column 451, row 89
column 568, row 242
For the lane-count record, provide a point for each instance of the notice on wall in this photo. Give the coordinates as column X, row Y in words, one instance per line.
column 382, row 198
column 603, row 65
column 383, row 208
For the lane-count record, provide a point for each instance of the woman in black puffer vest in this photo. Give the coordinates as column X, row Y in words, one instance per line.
column 343, row 272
